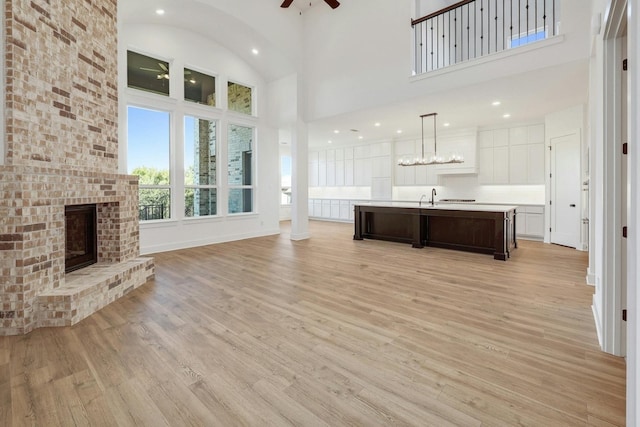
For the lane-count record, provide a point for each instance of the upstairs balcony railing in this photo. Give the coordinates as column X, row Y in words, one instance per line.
column 471, row 29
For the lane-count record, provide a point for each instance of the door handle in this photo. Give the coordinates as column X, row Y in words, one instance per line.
column 572, row 205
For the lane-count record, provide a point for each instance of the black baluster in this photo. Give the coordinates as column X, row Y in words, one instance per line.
column 527, row 7
column 481, row 27
column 511, row 26
column 431, row 44
column 468, row 36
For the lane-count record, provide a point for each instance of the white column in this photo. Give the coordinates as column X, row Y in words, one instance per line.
column 299, row 182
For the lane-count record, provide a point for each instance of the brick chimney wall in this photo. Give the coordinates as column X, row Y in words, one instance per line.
column 61, row 147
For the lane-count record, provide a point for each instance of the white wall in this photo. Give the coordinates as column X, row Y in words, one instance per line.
column 184, row 48
column 379, row 73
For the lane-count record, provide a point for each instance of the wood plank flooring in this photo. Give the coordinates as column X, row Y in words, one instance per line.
column 327, row 332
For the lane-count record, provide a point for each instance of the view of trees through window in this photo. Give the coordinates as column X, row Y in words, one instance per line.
column 151, row 145
column 148, row 157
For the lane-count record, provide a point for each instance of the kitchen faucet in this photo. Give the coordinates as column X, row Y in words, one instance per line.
column 433, row 199
column 424, row 196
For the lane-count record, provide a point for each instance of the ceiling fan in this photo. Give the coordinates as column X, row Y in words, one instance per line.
column 332, row 3
column 163, row 71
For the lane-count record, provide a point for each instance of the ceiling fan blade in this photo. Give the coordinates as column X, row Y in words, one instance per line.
column 150, row 69
column 164, row 67
column 332, row 3
column 286, row 3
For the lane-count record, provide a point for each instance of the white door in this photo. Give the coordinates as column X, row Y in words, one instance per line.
column 565, row 190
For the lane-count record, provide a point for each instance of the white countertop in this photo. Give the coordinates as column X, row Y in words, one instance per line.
column 444, row 206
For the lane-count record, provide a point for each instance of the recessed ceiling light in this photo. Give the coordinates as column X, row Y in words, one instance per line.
column 446, row 125
column 192, row 81
column 506, row 116
column 495, row 103
column 377, row 124
column 329, row 142
column 160, row 12
column 361, row 137
column 399, row 131
column 255, row 51
column 336, row 131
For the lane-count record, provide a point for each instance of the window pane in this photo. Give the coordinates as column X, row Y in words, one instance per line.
column 239, row 152
column 199, row 151
column 155, row 203
column 200, row 88
column 240, row 200
column 147, row 73
column 200, row 202
column 239, row 98
column 148, row 145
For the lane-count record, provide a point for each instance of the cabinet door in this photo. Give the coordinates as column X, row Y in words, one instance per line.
column 501, row 137
column 518, row 163
column 313, row 174
column 322, row 173
column 501, row 165
column 344, row 209
column 331, row 173
column 335, row 209
column 339, row 173
column 348, row 171
column 313, row 168
column 535, row 225
column 521, row 221
column 536, row 163
column 518, row 136
column 326, row 209
column 485, row 165
column 485, row 139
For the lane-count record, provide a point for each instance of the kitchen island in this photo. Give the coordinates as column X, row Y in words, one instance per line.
column 486, row 229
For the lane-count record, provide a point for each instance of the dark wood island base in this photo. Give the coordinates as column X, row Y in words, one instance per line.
column 480, row 228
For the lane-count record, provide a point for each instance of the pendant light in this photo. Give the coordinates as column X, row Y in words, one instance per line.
column 434, row 159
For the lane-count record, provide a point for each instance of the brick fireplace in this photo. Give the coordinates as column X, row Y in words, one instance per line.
column 61, row 149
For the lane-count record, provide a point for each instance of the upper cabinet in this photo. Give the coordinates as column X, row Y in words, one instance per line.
column 511, row 156
column 350, row 166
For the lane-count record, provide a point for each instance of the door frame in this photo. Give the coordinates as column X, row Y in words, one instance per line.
column 612, row 185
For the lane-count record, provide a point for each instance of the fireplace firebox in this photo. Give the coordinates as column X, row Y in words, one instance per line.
column 81, row 239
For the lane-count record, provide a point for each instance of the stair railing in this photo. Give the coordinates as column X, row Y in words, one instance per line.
column 472, row 29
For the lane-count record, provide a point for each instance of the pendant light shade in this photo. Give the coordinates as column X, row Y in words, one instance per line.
column 430, row 159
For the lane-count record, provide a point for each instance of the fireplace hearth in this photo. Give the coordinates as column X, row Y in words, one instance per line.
column 81, row 241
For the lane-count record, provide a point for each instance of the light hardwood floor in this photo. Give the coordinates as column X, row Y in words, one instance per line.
column 327, row 331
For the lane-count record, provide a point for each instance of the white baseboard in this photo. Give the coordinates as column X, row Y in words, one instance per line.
column 596, row 319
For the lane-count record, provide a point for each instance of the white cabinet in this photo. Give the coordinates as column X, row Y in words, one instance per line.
column 332, row 209
column 518, row 164
column 530, row 222
column 313, row 169
column 501, row 165
column 493, row 156
column 535, row 167
column 344, row 209
column 511, row 156
column 317, row 208
column 335, row 209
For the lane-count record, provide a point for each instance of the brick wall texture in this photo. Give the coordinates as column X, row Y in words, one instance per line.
column 61, row 148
